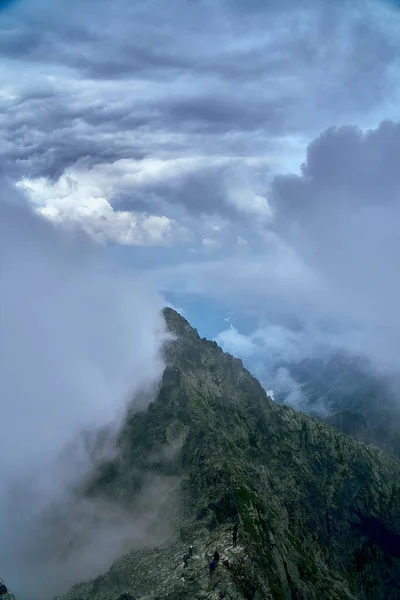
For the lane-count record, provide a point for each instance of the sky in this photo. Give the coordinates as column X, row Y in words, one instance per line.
column 236, row 159
column 241, row 154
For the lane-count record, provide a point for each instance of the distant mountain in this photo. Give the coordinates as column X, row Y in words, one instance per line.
column 318, row 513
column 351, row 395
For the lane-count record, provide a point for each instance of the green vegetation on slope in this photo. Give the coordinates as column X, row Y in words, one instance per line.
column 318, row 512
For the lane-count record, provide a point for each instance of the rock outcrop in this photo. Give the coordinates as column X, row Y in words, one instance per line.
column 5, row 593
column 318, row 513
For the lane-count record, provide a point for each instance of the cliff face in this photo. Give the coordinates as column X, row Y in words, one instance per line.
column 318, row 513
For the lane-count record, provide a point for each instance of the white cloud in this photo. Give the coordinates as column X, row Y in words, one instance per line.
column 270, row 343
column 76, row 199
column 236, row 343
column 242, row 196
column 272, row 280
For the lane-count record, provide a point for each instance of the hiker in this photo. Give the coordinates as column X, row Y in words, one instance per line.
column 234, row 534
column 216, row 556
column 190, row 551
column 226, row 563
column 213, row 566
column 185, row 561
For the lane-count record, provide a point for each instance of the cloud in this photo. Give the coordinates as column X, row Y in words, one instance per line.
column 266, row 277
column 200, row 186
column 327, row 263
column 153, row 123
column 98, row 219
column 228, row 86
column 340, row 217
column 47, row 131
column 177, row 38
column 78, row 340
column 236, row 343
column 127, row 203
column 270, row 348
column 77, row 199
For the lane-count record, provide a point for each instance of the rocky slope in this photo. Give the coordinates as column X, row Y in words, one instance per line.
column 318, row 512
column 351, row 395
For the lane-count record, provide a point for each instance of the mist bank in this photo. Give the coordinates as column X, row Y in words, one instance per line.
column 324, row 376
column 80, row 340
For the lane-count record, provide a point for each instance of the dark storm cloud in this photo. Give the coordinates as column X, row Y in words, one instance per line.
column 54, row 153
column 223, row 113
column 341, row 217
column 199, row 190
column 238, row 42
column 44, row 133
column 175, row 79
column 345, row 169
column 332, row 263
column 111, row 42
column 159, row 40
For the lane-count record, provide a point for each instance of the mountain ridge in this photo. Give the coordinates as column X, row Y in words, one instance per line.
column 348, row 393
column 318, row 512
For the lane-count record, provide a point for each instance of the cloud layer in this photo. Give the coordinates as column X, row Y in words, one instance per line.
column 79, row 339
column 223, row 85
column 340, row 216
column 327, row 263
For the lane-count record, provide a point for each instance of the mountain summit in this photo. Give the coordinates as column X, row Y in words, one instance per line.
column 318, row 513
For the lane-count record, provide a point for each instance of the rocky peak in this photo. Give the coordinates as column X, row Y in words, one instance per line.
column 5, row 593
column 177, row 324
column 318, row 512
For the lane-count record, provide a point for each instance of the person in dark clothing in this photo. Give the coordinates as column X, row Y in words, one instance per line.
column 234, row 534
column 185, row 561
column 216, row 556
column 213, row 566
column 226, row 563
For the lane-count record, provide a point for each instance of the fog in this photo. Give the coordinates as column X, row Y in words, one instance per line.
column 78, row 339
column 340, row 216
column 339, row 219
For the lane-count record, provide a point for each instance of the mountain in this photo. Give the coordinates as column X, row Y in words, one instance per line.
column 318, row 512
column 350, row 394
column 5, row 593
